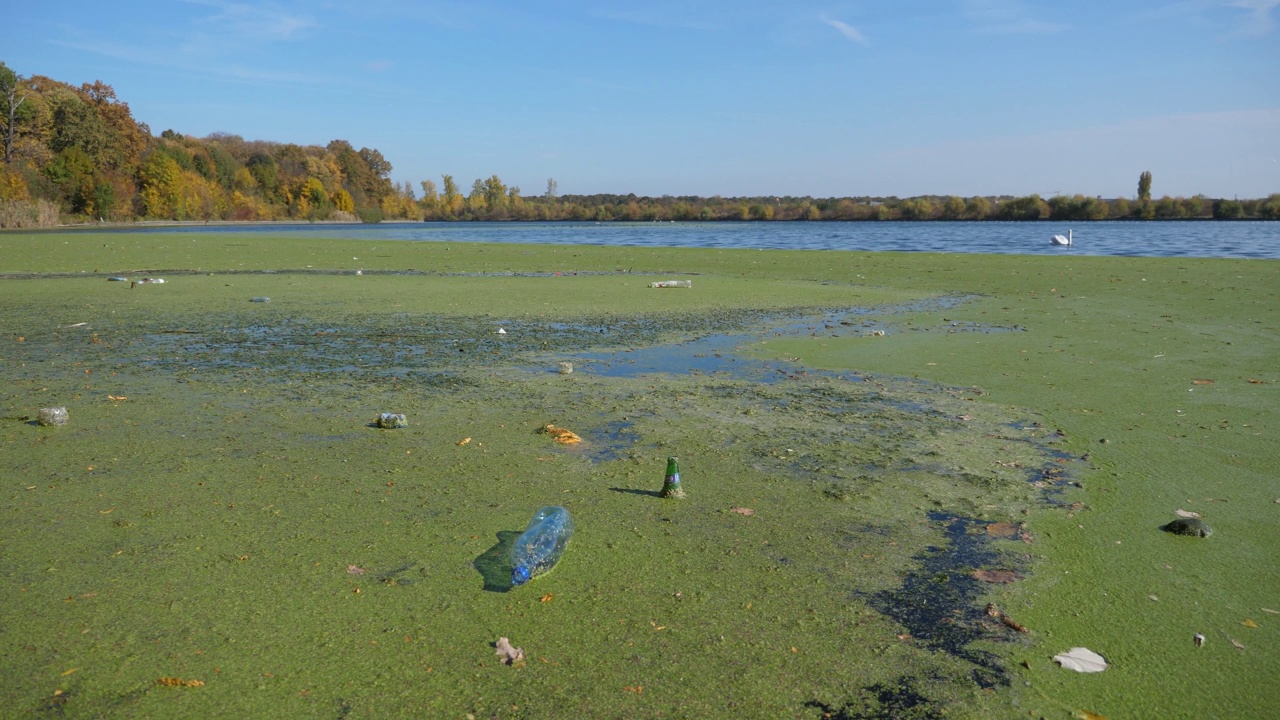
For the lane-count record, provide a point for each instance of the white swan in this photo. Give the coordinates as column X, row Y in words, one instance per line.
column 1059, row 240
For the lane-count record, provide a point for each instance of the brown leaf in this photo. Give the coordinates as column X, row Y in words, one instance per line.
column 1086, row 715
column 1256, row 381
column 561, row 435
column 507, row 654
column 464, row 441
column 1002, row 577
column 355, row 570
column 546, row 598
column 1249, row 623
column 1013, row 624
column 1201, row 381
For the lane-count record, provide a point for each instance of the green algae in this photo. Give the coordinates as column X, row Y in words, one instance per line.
column 217, row 523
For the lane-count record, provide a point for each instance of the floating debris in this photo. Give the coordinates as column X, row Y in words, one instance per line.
column 260, row 299
column 1081, row 659
column 509, row 655
column 1189, row 526
column 52, row 416
column 392, row 420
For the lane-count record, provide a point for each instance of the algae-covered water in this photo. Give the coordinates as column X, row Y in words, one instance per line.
column 875, row 447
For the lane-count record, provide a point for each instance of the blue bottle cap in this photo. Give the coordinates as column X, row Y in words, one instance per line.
column 519, row 575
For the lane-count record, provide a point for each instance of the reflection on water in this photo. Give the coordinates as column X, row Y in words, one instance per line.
column 1254, row 239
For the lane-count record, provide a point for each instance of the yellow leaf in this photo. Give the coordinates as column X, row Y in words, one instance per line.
column 1086, row 715
column 1249, row 623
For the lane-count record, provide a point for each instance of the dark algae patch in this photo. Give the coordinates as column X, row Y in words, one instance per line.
column 874, row 448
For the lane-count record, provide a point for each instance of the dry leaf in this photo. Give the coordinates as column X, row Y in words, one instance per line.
column 507, row 654
column 1081, row 660
column 995, row 576
column 1186, row 513
column 1255, row 381
column 117, row 397
column 742, row 511
column 355, row 570
column 546, row 598
column 1201, row 381
column 1236, row 644
column 1269, row 610
column 561, row 435
column 179, row 682
column 464, row 441
column 1010, row 622
column 1086, row 715
column 1249, row 623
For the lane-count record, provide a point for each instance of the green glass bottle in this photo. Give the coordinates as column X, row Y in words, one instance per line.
column 671, row 483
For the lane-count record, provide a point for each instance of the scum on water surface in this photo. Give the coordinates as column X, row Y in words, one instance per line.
column 869, row 492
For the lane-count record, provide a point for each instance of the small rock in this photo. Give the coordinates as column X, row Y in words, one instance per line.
column 1191, row 527
column 392, row 420
column 52, row 416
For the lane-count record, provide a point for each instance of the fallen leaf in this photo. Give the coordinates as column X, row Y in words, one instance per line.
column 634, row 688
column 1010, row 622
column 967, row 417
column 561, row 435
column 546, row 598
column 995, row 576
column 507, row 654
column 1186, row 513
column 1249, row 623
column 742, row 511
column 1236, row 644
column 1269, row 610
column 117, row 397
column 1082, row 660
column 1255, row 381
column 1086, row 715
column 464, row 441
column 179, row 682
column 1201, row 381
column 355, row 570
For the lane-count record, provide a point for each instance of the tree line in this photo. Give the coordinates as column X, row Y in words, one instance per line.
column 76, row 154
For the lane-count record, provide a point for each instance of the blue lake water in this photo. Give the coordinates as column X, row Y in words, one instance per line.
column 1153, row 239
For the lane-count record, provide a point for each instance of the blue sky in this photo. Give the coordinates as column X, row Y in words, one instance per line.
column 749, row 97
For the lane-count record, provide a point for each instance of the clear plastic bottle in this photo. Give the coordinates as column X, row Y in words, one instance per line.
column 540, row 547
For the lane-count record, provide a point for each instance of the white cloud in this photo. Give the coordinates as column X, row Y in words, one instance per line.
column 1007, row 17
column 850, row 32
column 1260, row 20
column 243, row 20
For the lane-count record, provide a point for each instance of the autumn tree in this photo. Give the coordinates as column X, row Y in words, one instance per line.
column 1144, row 186
column 12, row 99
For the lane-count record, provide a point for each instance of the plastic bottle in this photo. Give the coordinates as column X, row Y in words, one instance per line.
column 540, row 547
column 671, row 483
column 672, row 284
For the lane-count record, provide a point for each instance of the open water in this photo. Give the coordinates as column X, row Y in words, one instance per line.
column 1225, row 239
